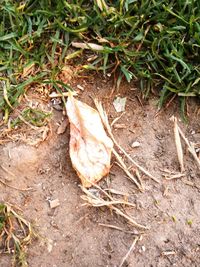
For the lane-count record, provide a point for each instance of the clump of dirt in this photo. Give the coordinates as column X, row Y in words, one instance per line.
column 72, row 234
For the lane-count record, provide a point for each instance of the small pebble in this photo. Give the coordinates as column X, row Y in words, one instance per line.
column 54, row 203
column 143, row 248
column 135, row 144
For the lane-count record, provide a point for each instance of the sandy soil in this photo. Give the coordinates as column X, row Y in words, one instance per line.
column 71, row 232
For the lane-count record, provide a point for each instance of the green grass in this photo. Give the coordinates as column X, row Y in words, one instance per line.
column 155, row 42
column 35, row 117
column 16, row 234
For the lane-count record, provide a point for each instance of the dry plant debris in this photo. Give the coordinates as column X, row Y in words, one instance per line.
column 129, row 251
column 62, row 127
column 119, row 104
column 119, row 228
column 90, row 147
column 175, row 176
column 105, row 121
column 191, row 148
column 16, row 233
column 100, row 198
column 63, row 94
column 13, row 187
column 178, row 144
column 91, row 46
column 190, row 145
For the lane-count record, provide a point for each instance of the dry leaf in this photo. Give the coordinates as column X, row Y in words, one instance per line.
column 103, row 40
column 119, row 104
column 90, row 147
column 66, row 74
column 36, row 137
column 88, row 46
column 28, row 70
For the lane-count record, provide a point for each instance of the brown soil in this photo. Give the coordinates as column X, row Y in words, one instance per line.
column 71, row 232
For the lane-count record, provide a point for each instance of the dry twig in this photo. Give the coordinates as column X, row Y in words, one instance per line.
column 116, row 119
column 178, row 144
column 100, row 202
column 116, row 192
column 191, row 147
column 122, row 165
column 7, row 171
column 118, row 228
column 104, row 119
column 16, row 188
column 63, row 94
column 169, row 252
column 129, row 251
column 97, row 201
column 91, row 46
column 175, row 176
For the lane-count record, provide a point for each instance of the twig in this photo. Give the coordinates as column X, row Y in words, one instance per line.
column 190, row 147
column 119, row 212
column 98, row 187
column 13, row 187
column 116, row 192
column 95, row 201
column 129, row 219
column 175, row 176
column 125, row 169
column 116, row 119
column 139, row 178
column 169, row 252
column 129, row 251
column 54, row 95
column 99, row 202
column 91, row 46
column 118, row 228
column 178, row 144
column 6, row 170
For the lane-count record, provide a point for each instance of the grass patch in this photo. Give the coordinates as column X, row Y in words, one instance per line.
column 155, row 42
column 15, row 234
column 35, row 117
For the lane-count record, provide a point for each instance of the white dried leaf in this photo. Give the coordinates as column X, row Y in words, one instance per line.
column 88, row 46
column 119, row 104
column 90, row 147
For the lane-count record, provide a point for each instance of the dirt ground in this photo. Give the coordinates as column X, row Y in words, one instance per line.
column 72, row 236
